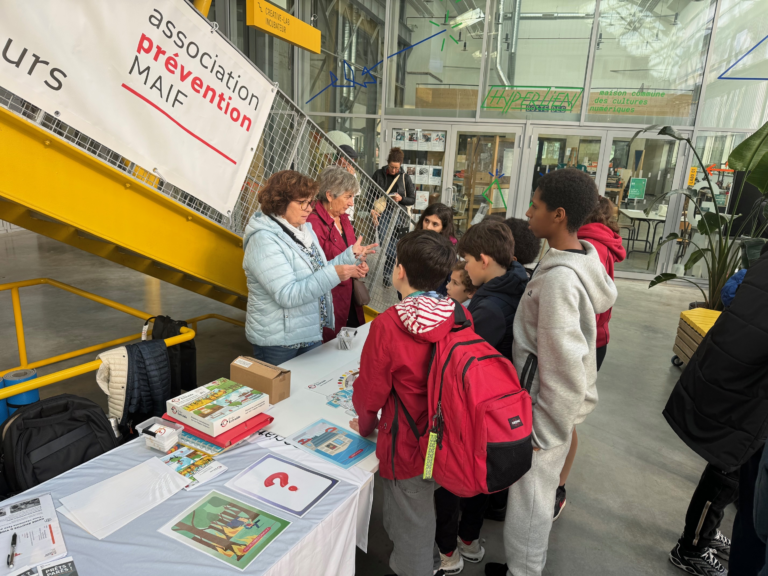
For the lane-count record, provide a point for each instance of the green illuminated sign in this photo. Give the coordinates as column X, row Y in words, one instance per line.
column 532, row 99
column 636, row 189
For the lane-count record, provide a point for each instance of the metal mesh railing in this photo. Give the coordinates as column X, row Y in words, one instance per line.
column 291, row 140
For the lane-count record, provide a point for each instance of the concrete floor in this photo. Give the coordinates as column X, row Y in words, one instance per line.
column 632, row 479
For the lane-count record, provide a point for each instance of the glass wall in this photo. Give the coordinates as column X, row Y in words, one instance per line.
column 737, row 86
column 346, row 76
column 272, row 55
column 434, row 62
column 649, row 61
column 537, row 59
column 714, row 149
column 363, row 134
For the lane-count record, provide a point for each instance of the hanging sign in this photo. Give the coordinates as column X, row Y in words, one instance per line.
column 149, row 79
column 277, row 22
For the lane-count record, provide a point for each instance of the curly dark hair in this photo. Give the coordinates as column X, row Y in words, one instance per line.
column 285, row 187
column 527, row 246
column 572, row 190
column 466, row 281
column 603, row 214
column 446, row 218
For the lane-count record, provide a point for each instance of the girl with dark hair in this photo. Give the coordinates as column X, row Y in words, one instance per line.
column 438, row 218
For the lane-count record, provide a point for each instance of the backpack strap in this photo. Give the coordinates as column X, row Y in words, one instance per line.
column 459, row 317
column 529, row 371
column 396, row 427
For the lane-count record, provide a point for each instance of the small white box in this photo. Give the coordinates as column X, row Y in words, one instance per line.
column 217, row 407
column 166, row 434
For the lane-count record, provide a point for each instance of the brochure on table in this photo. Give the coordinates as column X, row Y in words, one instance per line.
column 337, row 387
column 283, row 484
column 38, row 534
column 226, row 529
column 334, row 443
column 197, row 467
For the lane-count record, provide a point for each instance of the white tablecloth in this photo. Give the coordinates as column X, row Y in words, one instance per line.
column 322, row 543
column 304, row 407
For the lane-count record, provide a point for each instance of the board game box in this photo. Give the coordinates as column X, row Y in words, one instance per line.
column 218, row 406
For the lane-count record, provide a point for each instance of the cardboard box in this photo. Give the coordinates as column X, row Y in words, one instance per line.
column 218, row 406
column 261, row 376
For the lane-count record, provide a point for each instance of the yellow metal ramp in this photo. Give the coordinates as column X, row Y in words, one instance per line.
column 60, row 190
column 58, row 182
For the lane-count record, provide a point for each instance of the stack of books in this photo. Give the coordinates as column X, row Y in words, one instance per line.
column 222, row 413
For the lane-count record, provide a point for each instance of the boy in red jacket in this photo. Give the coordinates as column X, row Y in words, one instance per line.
column 394, row 368
column 602, row 231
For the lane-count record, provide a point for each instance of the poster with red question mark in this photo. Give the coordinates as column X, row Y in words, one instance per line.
column 283, row 484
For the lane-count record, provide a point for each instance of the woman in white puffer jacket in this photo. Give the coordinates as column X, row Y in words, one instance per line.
column 289, row 279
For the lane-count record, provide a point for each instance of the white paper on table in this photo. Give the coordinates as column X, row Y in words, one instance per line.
column 105, row 507
column 38, row 533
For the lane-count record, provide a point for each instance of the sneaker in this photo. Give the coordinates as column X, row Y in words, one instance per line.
column 495, row 569
column 452, row 564
column 721, row 545
column 471, row 552
column 699, row 563
column 559, row 502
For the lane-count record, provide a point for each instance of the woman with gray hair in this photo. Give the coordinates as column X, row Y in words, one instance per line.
column 337, row 191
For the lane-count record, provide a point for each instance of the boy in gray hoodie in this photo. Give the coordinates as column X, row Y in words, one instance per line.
column 554, row 353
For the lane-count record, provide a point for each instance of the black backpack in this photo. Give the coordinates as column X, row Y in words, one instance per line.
column 182, row 357
column 44, row 439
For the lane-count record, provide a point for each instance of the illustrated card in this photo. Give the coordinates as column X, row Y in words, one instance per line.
column 283, row 484
column 339, row 445
column 229, row 530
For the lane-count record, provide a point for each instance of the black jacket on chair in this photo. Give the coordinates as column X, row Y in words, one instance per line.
column 719, row 407
column 149, row 382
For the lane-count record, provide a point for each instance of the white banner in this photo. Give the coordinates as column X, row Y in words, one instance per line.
column 148, row 78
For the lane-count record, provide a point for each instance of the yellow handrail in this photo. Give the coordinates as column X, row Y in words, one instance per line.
column 186, row 335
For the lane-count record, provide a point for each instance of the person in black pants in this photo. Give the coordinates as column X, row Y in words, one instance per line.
column 719, row 408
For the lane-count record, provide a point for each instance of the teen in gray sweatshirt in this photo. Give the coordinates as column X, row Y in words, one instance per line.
column 554, row 353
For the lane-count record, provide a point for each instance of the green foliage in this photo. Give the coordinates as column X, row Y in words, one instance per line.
column 721, row 253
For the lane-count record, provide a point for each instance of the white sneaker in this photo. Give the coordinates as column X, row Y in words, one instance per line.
column 452, row 564
column 471, row 552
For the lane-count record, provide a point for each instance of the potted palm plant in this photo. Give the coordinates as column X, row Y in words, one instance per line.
column 720, row 252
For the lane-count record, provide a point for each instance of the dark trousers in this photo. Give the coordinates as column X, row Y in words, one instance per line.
column 600, row 353
column 715, row 491
column 447, row 512
column 396, row 222
column 747, row 550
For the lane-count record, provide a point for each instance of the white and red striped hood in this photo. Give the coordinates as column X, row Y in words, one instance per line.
column 426, row 317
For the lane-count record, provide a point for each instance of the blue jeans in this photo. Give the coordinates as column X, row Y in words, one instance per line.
column 276, row 355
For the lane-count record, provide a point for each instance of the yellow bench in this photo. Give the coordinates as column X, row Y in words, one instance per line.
column 694, row 325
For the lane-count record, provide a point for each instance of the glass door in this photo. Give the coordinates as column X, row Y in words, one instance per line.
column 482, row 165
column 424, row 147
column 638, row 174
column 551, row 148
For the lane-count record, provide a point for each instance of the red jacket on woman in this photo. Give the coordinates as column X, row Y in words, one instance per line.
column 609, row 248
column 333, row 244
